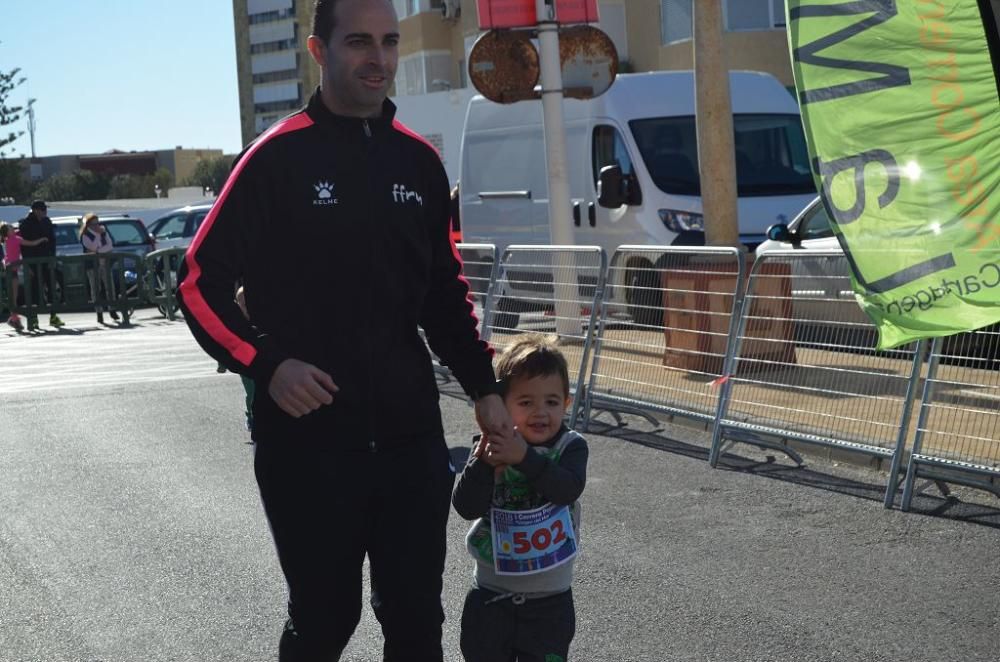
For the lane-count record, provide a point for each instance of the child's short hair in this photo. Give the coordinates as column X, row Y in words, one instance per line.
column 532, row 355
column 4, row 230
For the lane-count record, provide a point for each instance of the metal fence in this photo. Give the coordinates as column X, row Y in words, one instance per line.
column 479, row 267
column 957, row 428
column 804, row 368
column 111, row 281
column 552, row 290
column 665, row 325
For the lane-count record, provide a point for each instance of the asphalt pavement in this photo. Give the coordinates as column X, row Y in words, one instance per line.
column 130, row 529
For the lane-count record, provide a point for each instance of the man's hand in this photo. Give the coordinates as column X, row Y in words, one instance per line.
column 506, row 450
column 299, row 387
column 492, row 416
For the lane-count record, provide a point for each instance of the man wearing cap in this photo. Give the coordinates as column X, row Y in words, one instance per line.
column 38, row 239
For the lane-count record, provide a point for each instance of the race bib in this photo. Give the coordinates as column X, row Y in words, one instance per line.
column 526, row 542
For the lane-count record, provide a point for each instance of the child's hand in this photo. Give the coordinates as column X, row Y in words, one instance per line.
column 479, row 451
column 506, row 450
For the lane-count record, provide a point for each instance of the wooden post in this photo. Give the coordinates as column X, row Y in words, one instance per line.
column 714, row 120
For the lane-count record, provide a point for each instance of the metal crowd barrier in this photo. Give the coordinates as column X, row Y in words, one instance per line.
column 160, row 278
column 553, row 290
column 803, row 366
column 665, row 324
column 957, row 428
column 479, row 268
column 72, row 283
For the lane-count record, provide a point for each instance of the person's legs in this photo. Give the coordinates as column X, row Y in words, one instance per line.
column 407, row 549
column 316, row 504
column 49, row 276
column 487, row 628
column 545, row 629
column 94, row 295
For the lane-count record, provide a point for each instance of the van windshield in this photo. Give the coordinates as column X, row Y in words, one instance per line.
column 771, row 155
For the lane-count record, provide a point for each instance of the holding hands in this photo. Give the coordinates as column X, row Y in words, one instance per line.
column 499, row 451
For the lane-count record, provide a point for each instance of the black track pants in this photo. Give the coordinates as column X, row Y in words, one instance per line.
column 327, row 510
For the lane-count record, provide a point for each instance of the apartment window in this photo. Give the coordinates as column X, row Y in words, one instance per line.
column 675, row 20
column 271, row 46
column 272, row 106
column 423, row 72
column 274, row 76
column 406, row 8
column 753, row 14
column 276, row 15
column 737, row 15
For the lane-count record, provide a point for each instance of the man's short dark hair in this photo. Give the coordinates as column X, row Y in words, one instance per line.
column 323, row 19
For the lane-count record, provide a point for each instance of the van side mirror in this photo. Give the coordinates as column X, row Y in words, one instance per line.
column 615, row 189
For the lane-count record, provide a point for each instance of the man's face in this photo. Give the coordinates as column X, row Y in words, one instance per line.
column 40, row 212
column 359, row 60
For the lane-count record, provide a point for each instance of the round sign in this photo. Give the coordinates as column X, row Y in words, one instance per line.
column 503, row 66
column 589, row 61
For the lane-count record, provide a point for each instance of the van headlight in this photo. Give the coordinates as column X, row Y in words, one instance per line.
column 681, row 221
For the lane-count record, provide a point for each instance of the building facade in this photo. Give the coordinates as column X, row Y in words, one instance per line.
column 179, row 161
column 277, row 75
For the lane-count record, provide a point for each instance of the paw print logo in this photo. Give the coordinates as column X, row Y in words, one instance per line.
column 324, row 193
column 324, row 190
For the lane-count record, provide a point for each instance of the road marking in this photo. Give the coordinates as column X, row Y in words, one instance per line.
column 108, row 357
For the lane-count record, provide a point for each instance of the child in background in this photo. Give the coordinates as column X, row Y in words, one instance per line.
column 12, row 253
column 248, row 384
column 523, row 493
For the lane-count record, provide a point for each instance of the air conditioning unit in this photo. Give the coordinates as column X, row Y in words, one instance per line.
column 451, row 10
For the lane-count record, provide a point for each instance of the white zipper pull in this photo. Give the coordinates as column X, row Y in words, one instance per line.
column 368, row 131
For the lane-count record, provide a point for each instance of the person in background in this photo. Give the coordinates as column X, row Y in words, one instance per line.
column 521, row 604
column 96, row 241
column 38, row 239
column 10, row 240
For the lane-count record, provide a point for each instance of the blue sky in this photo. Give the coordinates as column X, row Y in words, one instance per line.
column 123, row 74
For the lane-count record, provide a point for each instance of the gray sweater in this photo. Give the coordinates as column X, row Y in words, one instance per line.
column 559, row 481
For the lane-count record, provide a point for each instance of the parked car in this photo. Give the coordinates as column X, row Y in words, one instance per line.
column 818, row 284
column 177, row 229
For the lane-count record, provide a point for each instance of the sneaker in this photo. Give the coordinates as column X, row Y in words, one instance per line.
column 32, row 323
column 114, row 315
column 100, row 317
column 15, row 322
column 55, row 321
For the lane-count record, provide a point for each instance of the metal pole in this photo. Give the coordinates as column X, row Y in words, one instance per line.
column 560, row 212
column 31, row 125
column 714, row 120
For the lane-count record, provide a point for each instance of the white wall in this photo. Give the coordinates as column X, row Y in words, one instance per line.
column 440, row 118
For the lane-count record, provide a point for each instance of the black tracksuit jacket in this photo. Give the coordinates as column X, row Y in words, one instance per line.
column 338, row 228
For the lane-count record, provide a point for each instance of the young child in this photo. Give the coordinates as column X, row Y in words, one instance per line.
column 248, row 384
column 523, row 493
column 11, row 242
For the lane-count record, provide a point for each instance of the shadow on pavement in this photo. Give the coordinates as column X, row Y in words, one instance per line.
column 950, row 507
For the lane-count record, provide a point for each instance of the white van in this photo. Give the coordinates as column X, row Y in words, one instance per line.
column 645, row 125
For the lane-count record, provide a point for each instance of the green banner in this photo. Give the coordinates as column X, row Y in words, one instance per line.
column 902, row 117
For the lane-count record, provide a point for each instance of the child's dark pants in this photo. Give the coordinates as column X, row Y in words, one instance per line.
column 508, row 629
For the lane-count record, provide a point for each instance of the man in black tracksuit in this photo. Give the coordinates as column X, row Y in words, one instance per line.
column 336, row 221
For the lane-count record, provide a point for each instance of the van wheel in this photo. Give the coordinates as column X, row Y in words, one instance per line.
column 644, row 296
column 505, row 316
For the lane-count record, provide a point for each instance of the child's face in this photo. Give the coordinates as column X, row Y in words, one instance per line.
column 536, row 406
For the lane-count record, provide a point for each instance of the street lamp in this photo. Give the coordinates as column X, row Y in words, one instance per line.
column 31, row 125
